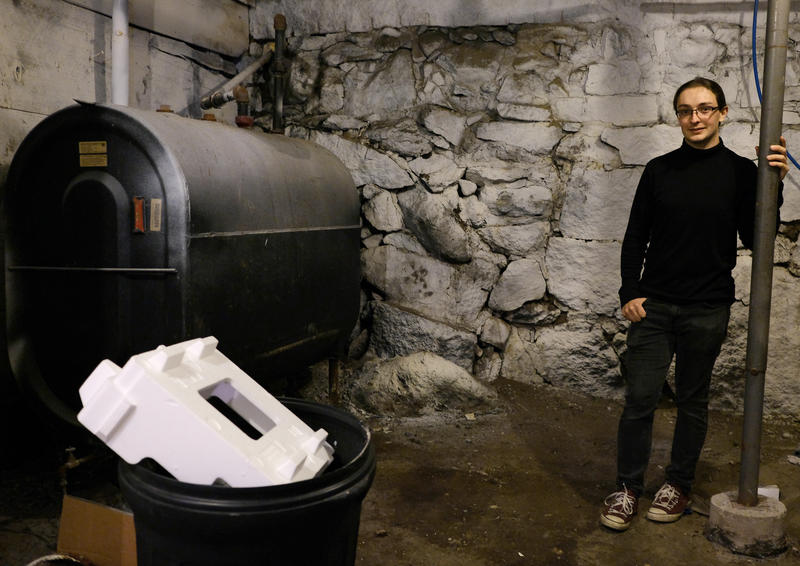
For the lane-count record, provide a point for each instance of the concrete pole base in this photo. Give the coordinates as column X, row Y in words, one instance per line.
column 753, row 531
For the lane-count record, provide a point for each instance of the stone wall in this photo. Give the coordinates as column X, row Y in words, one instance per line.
column 496, row 158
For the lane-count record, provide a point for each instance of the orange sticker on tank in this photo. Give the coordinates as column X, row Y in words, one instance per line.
column 138, row 214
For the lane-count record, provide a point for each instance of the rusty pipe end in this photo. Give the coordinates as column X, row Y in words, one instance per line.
column 240, row 94
column 244, row 121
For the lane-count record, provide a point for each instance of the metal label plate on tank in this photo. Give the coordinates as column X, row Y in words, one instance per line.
column 93, row 153
column 92, row 147
column 99, row 160
column 155, row 215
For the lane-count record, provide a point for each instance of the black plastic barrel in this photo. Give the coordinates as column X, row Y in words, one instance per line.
column 312, row 522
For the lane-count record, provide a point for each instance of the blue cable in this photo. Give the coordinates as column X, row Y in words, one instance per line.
column 755, row 69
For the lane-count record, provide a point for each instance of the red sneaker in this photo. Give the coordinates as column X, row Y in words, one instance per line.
column 669, row 504
column 620, row 507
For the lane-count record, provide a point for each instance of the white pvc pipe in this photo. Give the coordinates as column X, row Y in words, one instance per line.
column 266, row 55
column 226, row 90
column 120, row 57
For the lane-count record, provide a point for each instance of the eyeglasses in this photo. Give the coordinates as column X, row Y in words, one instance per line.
column 702, row 112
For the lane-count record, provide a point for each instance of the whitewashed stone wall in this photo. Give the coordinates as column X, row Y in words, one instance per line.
column 497, row 147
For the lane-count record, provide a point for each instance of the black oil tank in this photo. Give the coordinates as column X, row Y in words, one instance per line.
column 127, row 229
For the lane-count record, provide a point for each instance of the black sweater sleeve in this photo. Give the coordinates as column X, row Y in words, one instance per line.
column 748, row 180
column 637, row 236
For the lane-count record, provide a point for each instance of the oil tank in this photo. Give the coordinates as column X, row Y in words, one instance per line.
column 127, row 229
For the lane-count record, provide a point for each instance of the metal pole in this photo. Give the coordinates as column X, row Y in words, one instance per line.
column 763, row 248
column 120, row 53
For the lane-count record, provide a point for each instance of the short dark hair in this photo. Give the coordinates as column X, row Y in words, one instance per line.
column 713, row 86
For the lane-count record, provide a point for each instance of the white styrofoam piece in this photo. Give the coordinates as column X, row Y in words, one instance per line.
column 157, row 406
column 772, row 491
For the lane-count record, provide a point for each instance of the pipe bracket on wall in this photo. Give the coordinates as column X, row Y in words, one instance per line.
column 279, row 71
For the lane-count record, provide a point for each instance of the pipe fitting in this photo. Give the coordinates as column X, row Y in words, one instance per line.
column 243, row 117
column 216, row 100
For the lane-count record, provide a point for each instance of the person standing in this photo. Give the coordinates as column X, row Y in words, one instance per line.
column 677, row 257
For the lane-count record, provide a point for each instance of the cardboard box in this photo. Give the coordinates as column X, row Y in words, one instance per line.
column 104, row 535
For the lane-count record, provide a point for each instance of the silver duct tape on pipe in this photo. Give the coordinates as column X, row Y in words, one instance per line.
column 120, row 53
column 763, row 248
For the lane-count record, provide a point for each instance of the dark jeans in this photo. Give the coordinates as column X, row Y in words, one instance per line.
column 694, row 335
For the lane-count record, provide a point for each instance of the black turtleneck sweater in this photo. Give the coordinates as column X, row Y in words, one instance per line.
column 688, row 208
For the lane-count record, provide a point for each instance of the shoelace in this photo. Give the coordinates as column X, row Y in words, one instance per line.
column 622, row 500
column 667, row 496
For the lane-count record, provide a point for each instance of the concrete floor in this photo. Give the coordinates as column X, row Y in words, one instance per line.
column 520, row 485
